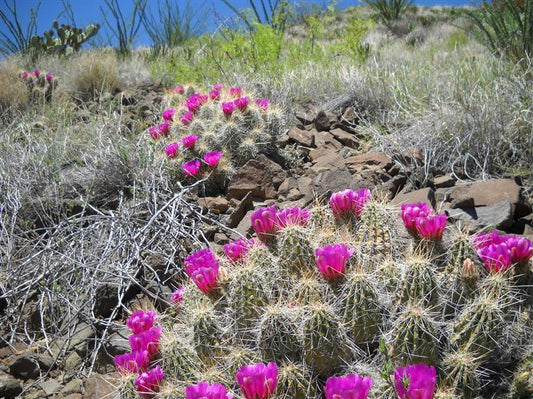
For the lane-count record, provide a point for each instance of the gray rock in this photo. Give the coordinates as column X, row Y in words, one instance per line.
column 498, row 216
column 9, row 386
column 424, row 195
column 333, row 180
column 444, row 181
column 50, row 387
column 29, row 365
column 302, row 137
column 239, row 211
column 72, row 387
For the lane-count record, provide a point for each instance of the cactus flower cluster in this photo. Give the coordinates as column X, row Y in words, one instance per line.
column 417, row 381
column 203, row 267
column 349, row 203
column 500, row 252
column 236, row 251
column 144, row 343
column 269, row 220
column 40, row 84
column 421, row 221
column 331, row 260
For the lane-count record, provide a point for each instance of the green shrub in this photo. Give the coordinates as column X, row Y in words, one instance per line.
column 389, row 11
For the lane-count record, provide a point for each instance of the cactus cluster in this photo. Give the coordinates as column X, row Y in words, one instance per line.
column 341, row 322
column 41, row 85
column 67, row 39
column 227, row 122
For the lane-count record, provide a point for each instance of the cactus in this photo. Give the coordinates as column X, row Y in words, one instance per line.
column 296, row 381
column 418, row 284
column 522, row 386
column 279, row 338
column 460, row 373
column 69, row 39
column 294, row 247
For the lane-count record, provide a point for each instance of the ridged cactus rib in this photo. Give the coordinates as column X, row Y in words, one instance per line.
column 414, row 337
column 208, row 337
column 361, row 314
column 418, row 284
column 310, row 290
column 295, row 252
column 279, row 336
column 373, row 232
column 460, row 375
column 296, row 381
column 522, row 385
column 180, row 361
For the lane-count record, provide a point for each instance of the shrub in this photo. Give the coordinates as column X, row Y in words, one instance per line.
column 95, row 74
column 14, row 95
column 389, row 11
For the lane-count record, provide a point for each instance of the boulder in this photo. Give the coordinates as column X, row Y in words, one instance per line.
column 260, row 176
column 302, row 137
column 498, row 216
column 345, row 138
column 29, row 365
column 245, row 225
column 239, row 211
column 333, row 180
column 325, row 140
column 444, row 181
column 370, row 160
column 10, row 387
column 216, row 205
column 426, row 195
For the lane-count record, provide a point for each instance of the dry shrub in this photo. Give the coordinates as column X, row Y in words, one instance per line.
column 14, row 94
column 96, row 73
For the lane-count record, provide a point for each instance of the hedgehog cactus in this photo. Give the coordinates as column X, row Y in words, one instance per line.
column 308, row 297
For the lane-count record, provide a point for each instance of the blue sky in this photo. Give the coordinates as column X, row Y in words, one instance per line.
column 88, row 11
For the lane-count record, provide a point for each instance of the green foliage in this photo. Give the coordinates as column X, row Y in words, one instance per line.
column 457, row 39
column 505, row 27
column 351, row 43
column 16, row 39
column 389, row 11
column 69, row 39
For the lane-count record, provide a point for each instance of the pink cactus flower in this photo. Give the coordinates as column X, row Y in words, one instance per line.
column 187, row 118
column 431, row 227
column 148, row 382
column 146, row 341
column 242, row 103
column 36, row 73
column 349, row 203
column 191, row 168
column 228, row 108
column 168, row 114
column 141, row 320
column 350, row 386
column 178, row 296
column 24, row 74
column 203, row 390
column 213, row 158
column 263, row 104
column 164, row 128
column 178, row 89
column 189, row 141
column 481, row 240
column 415, row 382
column 193, row 104
column 496, row 257
column 49, row 77
column 154, row 132
column 331, row 260
column 295, row 216
column 521, row 248
column 218, row 86
column 410, row 212
column 258, row 381
column 214, row 95
column 236, row 251
column 235, row 92
column 132, row 363
column 172, row 150
column 264, row 222
column 202, row 266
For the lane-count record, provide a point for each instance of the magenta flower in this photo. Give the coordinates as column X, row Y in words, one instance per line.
column 141, row 320
column 187, row 118
column 263, row 104
column 295, row 216
column 49, row 77
column 172, row 150
column 415, row 382
column 189, row 141
column 349, row 203
column 481, row 240
column 178, row 296
column 154, row 132
column 191, row 168
column 164, row 128
column 178, row 89
column 218, row 86
column 264, row 221
column 350, row 386
column 235, row 91
column 410, row 212
column 258, row 381
column 496, row 257
column 228, row 108
column 331, row 260
column 148, row 382
column 202, row 266
column 521, row 248
column 431, row 227
column 242, row 103
column 237, row 250
column 214, row 95
column 213, row 158
column 24, row 74
column 132, row 363
column 146, row 341
column 203, row 390
column 193, row 104
column 36, row 72
column 168, row 114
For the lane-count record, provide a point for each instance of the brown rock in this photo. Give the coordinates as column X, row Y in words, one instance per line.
column 239, row 211
column 323, row 121
column 216, row 205
column 371, row 160
column 348, row 139
column 302, row 137
column 326, row 140
column 260, row 176
column 9, row 387
column 305, row 186
column 493, row 191
column 245, row 225
column 304, row 118
column 444, row 181
column 329, row 160
column 333, row 180
column 99, row 386
column 287, row 185
column 426, row 195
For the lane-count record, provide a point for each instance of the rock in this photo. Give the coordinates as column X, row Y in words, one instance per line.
column 426, row 195
column 106, row 298
column 221, row 239
column 73, row 361
column 325, row 140
column 304, row 118
column 10, row 387
column 464, row 201
column 99, row 386
column 50, row 387
column 329, row 160
column 29, row 365
column 493, row 191
column 239, row 211
column 323, row 121
column 395, row 185
column 333, row 180
column 294, row 195
column 444, row 181
column 216, row 205
column 118, row 343
column 345, row 138
column 72, row 387
column 287, row 185
column 302, row 137
column 498, row 216
column 370, row 160
column 305, row 186
column 245, row 225
column 260, row 176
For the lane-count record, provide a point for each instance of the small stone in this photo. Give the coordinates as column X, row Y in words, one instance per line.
column 498, row 216
column 72, row 387
column 217, row 205
column 464, row 201
column 323, row 121
column 371, row 160
column 29, row 365
column 245, row 225
column 239, row 211
column 347, row 139
column 10, row 387
column 99, row 386
column 444, row 181
column 50, row 387
column 302, row 137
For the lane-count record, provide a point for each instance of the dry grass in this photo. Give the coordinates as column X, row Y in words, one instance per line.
column 14, row 95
